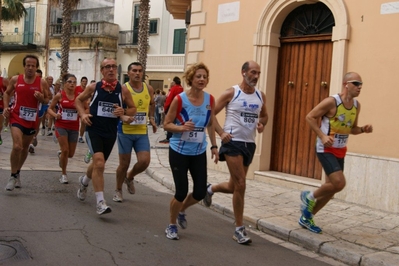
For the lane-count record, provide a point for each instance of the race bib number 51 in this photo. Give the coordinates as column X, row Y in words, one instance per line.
column 106, row 109
column 197, row 135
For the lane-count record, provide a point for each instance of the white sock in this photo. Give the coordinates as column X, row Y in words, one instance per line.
column 86, row 180
column 99, row 196
column 209, row 189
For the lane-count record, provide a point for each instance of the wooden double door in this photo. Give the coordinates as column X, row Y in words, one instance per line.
column 303, row 80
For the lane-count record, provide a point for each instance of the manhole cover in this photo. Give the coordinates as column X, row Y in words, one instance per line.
column 12, row 250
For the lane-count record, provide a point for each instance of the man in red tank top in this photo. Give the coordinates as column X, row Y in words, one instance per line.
column 29, row 92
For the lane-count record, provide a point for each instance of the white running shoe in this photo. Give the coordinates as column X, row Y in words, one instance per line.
column 130, row 186
column 102, row 208
column 64, row 179
column 118, row 196
column 11, row 183
column 18, row 182
column 82, row 189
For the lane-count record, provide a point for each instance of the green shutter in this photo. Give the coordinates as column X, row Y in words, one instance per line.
column 179, row 41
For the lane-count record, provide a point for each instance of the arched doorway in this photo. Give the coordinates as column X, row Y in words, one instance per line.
column 303, row 78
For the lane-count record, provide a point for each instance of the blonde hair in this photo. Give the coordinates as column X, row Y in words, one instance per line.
column 190, row 72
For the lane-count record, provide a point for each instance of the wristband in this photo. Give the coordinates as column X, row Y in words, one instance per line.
column 214, row 147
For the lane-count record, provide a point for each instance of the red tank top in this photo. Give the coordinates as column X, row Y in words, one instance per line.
column 25, row 108
column 2, row 90
column 69, row 114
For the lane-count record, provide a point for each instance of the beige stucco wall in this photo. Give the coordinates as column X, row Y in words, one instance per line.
column 365, row 41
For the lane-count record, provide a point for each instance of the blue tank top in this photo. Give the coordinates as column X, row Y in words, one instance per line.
column 194, row 142
column 105, row 123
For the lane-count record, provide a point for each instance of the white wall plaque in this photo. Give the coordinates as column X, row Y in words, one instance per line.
column 228, row 12
column 389, row 8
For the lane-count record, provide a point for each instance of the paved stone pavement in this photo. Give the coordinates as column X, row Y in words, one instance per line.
column 353, row 234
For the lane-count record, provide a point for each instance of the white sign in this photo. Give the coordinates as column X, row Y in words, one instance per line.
column 389, row 8
column 228, row 12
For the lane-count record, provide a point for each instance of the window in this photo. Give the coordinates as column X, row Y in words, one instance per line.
column 179, row 41
column 153, row 26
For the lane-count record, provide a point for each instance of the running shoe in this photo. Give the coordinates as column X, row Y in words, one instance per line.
column 171, row 232
column 64, row 179
column 118, row 196
column 82, row 189
column 208, row 197
column 18, row 182
column 130, row 186
column 31, row 149
column 11, row 183
column 43, row 131
column 34, row 142
column 309, row 224
column 49, row 133
column 102, row 208
column 81, row 140
column 87, row 157
column 241, row 236
column 5, row 129
column 181, row 220
column 59, row 160
column 307, row 204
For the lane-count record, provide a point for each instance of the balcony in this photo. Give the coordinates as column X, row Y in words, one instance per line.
column 21, row 41
column 99, row 28
column 165, row 63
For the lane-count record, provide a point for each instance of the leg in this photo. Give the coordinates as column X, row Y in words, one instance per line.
column 98, row 166
column 64, row 147
column 19, row 150
column 143, row 160
column 124, row 162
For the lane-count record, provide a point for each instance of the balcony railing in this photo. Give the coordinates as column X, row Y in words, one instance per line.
column 101, row 28
column 162, row 63
column 21, row 38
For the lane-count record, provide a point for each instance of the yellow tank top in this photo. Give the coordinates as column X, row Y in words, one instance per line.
column 142, row 101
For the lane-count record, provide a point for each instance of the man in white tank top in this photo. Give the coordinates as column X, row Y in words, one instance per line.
column 245, row 114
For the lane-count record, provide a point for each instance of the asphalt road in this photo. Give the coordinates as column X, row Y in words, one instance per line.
column 56, row 228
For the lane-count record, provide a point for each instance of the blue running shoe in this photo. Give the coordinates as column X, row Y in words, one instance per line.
column 171, row 232
column 307, row 204
column 309, row 224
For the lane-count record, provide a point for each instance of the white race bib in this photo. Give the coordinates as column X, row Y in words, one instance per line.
column 27, row 113
column 340, row 140
column 140, row 119
column 69, row 114
column 249, row 120
column 197, row 135
column 106, row 109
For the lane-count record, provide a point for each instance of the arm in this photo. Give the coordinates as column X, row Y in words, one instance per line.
column 221, row 103
column 358, row 130
column 7, row 95
column 151, row 110
column 80, row 102
column 169, row 124
column 51, row 109
column 212, row 136
column 43, row 96
column 263, row 117
column 131, row 109
column 326, row 107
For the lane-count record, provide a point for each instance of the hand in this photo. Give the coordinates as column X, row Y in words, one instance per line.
column 58, row 116
column 226, row 137
column 86, row 119
column 367, row 128
column 6, row 112
column 188, row 126
column 39, row 96
column 215, row 153
column 118, row 110
column 260, row 127
column 327, row 141
column 127, row 119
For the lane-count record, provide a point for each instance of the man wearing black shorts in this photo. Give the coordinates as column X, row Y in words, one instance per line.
column 106, row 106
column 245, row 114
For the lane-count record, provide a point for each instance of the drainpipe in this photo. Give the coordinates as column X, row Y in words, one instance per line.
column 47, row 40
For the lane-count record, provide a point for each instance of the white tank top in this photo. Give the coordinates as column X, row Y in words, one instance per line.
column 242, row 115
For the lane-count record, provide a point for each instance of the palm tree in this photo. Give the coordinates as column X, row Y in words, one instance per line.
column 144, row 12
column 12, row 10
column 67, row 7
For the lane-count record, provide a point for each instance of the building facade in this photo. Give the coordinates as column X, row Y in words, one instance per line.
column 304, row 48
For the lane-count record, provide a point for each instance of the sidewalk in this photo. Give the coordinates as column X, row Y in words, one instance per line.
column 353, row 234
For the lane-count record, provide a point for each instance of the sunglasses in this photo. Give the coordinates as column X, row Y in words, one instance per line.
column 108, row 67
column 355, row 82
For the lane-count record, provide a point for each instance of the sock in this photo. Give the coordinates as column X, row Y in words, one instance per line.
column 14, row 175
column 311, row 196
column 18, row 172
column 99, row 196
column 86, row 180
column 209, row 189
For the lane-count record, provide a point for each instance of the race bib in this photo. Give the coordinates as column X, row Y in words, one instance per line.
column 105, row 109
column 140, row 119
column 69, row 114
column 340, row 140
column 197, row 135
column 27, row 113
column 249, row 120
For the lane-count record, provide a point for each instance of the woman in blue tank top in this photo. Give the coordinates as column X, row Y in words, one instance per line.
column 189, row 114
